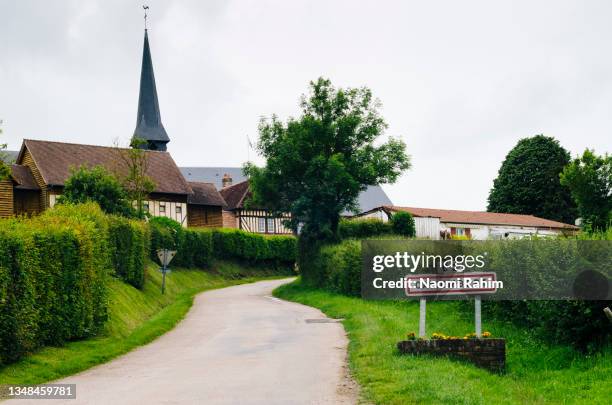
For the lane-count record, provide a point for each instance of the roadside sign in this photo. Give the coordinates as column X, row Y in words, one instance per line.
column 165, row 257
column 423, row 285
column 451, row 284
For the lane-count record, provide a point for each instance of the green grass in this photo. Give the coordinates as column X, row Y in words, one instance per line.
column 536, row 373
column 136, row 317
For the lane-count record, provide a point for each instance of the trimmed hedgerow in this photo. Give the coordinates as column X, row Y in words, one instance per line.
column 254, row 248
column 363, row 228
column 195, row 249
column 53, row 272
column 129, row 242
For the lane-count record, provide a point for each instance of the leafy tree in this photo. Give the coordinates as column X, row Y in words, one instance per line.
column 589, row 178
column 135, row 180
column 528, row 181
column 97, row 185
column 318, row 164
column 402, row 223
column 5, row 169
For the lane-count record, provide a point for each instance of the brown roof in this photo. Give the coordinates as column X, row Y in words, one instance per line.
column 55, row 160
column 481, row 217
column 23, row 177
column 205, row 194
column 235, row 195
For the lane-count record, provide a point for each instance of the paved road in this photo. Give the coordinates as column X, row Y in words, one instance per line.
column 237, row 345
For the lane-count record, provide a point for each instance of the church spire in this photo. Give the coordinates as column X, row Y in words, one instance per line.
column 149, row 127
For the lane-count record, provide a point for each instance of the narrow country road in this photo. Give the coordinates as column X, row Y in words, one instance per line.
column 237, row 345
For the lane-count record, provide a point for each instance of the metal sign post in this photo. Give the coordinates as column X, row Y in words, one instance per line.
column 414, row 288
column 422, row 316
column 165, row 257
column 477, row 316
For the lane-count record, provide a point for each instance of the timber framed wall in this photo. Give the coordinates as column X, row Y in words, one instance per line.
column 260, row 221
column 6, row 199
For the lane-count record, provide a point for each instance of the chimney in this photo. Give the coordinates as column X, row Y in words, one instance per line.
column 226, row 181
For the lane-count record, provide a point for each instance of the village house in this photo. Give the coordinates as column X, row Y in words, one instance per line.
column 444, row 224
column 234, row 189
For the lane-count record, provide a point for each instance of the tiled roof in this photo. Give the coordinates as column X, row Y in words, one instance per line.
column 235, row 195
column 481, row 217
column 205, row 194
column 55, row 160
column 23, row 177
column 372, row 197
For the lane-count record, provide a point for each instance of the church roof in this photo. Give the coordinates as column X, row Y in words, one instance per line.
column 148, row 121
column 55, row 160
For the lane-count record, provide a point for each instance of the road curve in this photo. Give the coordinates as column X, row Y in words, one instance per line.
column 237, row 345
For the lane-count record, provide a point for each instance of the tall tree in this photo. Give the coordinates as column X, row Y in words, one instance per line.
column 589, row 178
column 528, row 181
column 133, row 164
column 317, row 164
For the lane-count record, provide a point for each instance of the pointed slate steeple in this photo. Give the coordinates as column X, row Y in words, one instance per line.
column 148, row 122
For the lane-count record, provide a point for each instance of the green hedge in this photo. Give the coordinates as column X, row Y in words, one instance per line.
column 581, row 324
column 130, row 244
column 53, row 272
column 363, row 228
column 254, row 248
column 196, row 247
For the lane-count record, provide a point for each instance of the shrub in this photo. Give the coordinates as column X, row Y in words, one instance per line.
column 129, row 241
column 166, row 233
column 363, row 228
column 254, row 248
column 53, row 277
column 97, row 185
column 195, row 249
column 402, row 223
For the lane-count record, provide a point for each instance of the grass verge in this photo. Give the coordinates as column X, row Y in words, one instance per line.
column 536, row 373
column 136, row 317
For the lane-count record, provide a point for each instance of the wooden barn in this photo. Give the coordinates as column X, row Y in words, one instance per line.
column 205, row 206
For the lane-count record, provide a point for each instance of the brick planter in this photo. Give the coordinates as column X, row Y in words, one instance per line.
column 486, row 353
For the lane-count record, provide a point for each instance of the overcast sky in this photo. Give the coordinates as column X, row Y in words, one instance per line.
column 460, row 81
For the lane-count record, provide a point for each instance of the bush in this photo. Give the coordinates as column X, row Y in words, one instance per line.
column 97, row 185
column 129, row 241
column 196, row 248
column 402, row 223
column 363, row 228
column 236, row 244
column 53, row 277
column 342, row 265
column 166, row 233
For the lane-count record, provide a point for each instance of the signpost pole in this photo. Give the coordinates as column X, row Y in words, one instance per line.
column 165, row 256
column 478, row 316
column 422, row 315
column 164, row 280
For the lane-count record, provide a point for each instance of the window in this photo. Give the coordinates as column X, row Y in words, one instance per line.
column 459, row 231
column 261, row 225
column 162, row 208
column 271, row 225
column 179, row 209
column 145, row 206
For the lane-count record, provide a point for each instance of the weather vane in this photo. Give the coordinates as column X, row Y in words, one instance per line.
column 145, row 8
